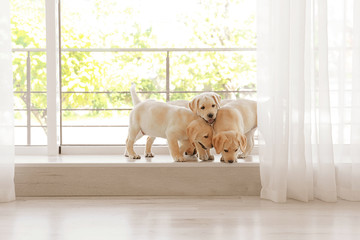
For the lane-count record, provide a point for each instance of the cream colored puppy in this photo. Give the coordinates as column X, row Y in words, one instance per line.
column 204, row 105
column 158, row 119
column 234, row 129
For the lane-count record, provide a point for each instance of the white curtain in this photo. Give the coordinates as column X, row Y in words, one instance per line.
column 309, row 99
column 7, row 189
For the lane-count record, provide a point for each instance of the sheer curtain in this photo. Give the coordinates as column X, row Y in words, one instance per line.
column 7, row 191
column 309, row 99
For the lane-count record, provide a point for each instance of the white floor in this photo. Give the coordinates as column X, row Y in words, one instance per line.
column 176, row 218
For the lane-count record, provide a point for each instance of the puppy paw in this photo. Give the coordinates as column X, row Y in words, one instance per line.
column 180, row 159
column 134, row 157
column 149, row 155
column 241, row 155
column 126, row 155
column 204, row 157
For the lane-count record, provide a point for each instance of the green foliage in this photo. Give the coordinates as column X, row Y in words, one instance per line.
column 113, row 73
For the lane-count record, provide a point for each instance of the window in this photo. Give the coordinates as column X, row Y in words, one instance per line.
column 170, row 49
column 29, row 66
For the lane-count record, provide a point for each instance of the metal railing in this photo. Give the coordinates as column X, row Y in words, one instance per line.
column 167, row 91
column 28, row 92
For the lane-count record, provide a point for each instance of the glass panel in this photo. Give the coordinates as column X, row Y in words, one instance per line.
column 20, row 135
column 38, row 118
column 19, row 71
column 28, row 30
column 94, row 135
column 104, row 100
column 143, row 24
column 87, row 72
column 91, row 118
column 101, row 135
column 28, row 23
column 188, row 96
column 20, row 101
column 38, row 71
column 74, row 134
column 212, row 71
column 158, row 23
column 20, row 118
column 38, row 136
column 38, row 100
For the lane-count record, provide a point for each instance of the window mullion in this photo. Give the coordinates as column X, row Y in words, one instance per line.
column 52, row 74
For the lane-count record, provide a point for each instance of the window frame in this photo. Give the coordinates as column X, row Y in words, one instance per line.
column 54, row 108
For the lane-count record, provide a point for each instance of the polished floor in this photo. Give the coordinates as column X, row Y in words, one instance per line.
column 176, row 218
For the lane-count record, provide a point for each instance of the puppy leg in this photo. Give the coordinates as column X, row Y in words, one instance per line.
column 133, row 133
column 174, row 150
column 210, row 157
column 201, row 152
column 149, row 143
column 249, row 144
column 140, row 135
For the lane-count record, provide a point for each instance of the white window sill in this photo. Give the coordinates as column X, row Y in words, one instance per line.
column 115, row 155
column 99, row 171
column 122, row 161
column 116, row 175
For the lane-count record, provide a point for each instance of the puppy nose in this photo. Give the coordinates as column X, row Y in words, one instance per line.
column 210, row 115
column 231, row 161
column 212, row 146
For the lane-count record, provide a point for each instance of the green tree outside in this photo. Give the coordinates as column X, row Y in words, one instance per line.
column 113, row 72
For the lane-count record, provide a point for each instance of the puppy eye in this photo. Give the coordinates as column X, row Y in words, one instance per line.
column 226, row 150
column 213, row 105
column 206, row 136
column 236, row 150
column 202, row 107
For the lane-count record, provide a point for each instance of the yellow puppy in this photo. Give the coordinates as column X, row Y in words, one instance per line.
column 234, row 129
column 158, row 119
column 204, row 105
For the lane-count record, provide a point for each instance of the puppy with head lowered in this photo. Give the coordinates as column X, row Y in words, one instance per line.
column 176, row 124
column 205, row 106
column 234, row 129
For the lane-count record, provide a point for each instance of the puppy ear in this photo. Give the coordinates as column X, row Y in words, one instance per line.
column 191, row 132
column 218, row 142
column 242, row 141
column 193, row 104
column 217, row 99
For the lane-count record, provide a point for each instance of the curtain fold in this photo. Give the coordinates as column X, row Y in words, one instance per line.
column 7, row 189
column 349, row 173
column 309, row 143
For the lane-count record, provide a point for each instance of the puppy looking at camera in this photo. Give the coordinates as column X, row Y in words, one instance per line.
column 204, row 105
column 158, row 119
column 234, row 129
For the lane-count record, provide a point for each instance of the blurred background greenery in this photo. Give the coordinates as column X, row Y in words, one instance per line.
column 133, row 24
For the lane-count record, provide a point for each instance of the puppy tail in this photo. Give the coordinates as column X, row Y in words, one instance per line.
column 135, row 99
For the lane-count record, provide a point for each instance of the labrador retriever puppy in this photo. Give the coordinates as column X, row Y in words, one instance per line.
column 158, row 119
column 204, row 105
column 234, row 129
